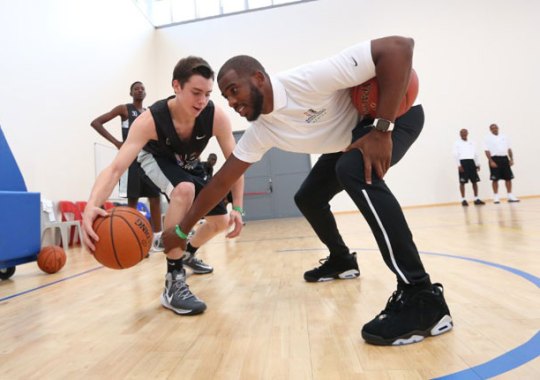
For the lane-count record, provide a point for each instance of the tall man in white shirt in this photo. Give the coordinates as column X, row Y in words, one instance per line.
column 309, row 110
column 500, row 158
column 468, row 166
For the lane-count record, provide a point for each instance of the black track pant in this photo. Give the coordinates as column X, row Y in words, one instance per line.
column 345, row 171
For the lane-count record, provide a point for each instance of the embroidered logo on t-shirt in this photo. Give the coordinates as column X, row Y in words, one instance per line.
column 314, row 116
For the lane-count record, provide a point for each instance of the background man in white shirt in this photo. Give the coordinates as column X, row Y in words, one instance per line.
column 468, row 166
column 500, row 158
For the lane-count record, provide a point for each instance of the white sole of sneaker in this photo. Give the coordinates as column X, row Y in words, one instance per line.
column 444, row 325
column 166, row 305
column 325, row 279
column 412, row 339
column 347, row 275
column 353, row 273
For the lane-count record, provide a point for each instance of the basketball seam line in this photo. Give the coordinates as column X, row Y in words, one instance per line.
column 112, row 241
column 134, row 233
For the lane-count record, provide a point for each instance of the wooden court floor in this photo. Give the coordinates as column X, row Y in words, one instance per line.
column 264, row 322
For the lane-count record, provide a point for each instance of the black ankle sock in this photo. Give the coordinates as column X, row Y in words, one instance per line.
column 191, row 249
column 425, row 285
column 174, row 265
column 340, row 255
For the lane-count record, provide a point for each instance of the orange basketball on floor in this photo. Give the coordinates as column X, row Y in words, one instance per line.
column 51, row 259
column 125, row 237
column 366, row 96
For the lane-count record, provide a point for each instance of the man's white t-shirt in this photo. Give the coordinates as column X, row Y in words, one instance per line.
column 313, row 112
column 465, row 150
column 497, row 145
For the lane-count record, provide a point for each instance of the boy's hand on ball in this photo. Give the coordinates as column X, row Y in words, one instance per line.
column 89, row 235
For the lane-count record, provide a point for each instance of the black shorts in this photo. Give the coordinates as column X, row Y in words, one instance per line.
column 502, row 171
column 139, row 185
column 469, row 172
column 166, row 174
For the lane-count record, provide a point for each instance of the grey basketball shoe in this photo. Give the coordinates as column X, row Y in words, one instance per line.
column 196, row 265
column 177, row 297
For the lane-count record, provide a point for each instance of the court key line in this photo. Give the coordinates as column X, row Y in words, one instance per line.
column 506, row 362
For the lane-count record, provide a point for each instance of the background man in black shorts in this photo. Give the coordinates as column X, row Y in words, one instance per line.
column 208, row 166
column 500, row 158
column 468, row 166
column 134, row 180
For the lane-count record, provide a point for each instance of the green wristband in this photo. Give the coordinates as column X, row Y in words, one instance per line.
column 239, row 209
column 179, row 232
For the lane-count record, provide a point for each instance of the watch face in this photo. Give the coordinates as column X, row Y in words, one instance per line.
column 382, row 125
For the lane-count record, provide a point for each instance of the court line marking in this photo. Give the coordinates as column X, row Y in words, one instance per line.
column 49, row 284
column 509, row 360
column 494, row 367
column 503, row 363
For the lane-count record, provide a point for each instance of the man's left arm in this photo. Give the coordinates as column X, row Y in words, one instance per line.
column 210, row 195
column 393, row 63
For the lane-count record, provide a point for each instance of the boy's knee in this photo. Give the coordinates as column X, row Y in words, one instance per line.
column 218, row 222
column 183, row 191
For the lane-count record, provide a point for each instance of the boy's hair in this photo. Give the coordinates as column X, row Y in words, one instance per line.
column 189, row 66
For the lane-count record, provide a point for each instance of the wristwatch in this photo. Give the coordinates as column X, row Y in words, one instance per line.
column 383, row 125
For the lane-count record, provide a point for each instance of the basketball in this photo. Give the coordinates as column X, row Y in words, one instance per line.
column 51, row 259
column 366, row 95
column 125, row 237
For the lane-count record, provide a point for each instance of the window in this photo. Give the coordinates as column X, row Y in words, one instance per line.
column 163, row 13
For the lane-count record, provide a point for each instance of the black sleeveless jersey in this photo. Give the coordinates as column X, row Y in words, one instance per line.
column 184, row 153
column 133, row 113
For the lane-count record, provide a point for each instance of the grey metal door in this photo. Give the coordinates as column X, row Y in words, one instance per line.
column 270, row 184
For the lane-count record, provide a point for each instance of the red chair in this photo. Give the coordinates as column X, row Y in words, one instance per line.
column 108, row 205
column 71, row 212
column 81, row 205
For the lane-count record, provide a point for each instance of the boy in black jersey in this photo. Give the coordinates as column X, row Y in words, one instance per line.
column 173, row 133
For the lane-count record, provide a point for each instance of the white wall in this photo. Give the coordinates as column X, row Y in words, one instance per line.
column 65, row 62
column 477, row 63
